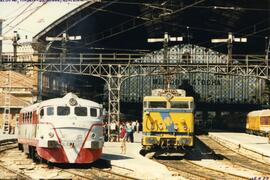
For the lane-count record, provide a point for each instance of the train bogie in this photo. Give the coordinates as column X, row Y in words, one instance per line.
column 62, row 130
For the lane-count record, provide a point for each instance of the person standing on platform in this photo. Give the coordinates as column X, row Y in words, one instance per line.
column 113, row 131
column 105, row 131
column 129, row 132
column 137, row 126
column 133, row 124
column 123, row 134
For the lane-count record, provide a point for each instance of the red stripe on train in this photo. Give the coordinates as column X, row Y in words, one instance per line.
column 55, row 155
column 86, row 153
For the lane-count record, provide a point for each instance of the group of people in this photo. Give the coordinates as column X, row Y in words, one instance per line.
column 122, row 132
column 126, row 133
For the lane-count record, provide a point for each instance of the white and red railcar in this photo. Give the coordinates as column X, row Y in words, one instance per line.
column 62, row 130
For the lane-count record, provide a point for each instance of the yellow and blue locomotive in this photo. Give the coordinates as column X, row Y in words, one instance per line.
column 168, row 122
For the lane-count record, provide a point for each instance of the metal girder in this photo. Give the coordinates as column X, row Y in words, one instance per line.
column 115, row 68
column 149, row 69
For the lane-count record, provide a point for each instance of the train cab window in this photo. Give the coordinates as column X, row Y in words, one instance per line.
column 180, row 104
column 93, row 112
column 80, row 111
column 50, row 111
column 63, row 110
column 41, row 114
column 157, row 104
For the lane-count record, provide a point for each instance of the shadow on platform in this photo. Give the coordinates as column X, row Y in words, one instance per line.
column 114, row 157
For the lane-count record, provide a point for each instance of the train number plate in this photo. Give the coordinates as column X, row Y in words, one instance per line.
column 71, row 143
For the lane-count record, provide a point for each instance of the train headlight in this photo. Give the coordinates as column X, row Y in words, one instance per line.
column 93, row 135
column 176, row 126
column 184, row 141
column 160, row 126
column 185, row 126
column 151, row 140
column 72, row 102
column 51, row 134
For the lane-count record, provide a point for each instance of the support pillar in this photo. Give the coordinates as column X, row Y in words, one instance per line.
column 114, row 84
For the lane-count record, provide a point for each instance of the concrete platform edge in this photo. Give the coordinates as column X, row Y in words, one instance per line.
column 241, row 148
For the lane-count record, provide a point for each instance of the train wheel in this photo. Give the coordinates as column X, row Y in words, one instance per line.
column 143, row 152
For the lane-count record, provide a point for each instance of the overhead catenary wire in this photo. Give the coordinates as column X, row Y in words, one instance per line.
column 14, row 11
column 35, row 10
column 17, row 16
column 234, row 8
column 139, row 25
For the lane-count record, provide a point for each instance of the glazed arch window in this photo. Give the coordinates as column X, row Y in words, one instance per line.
column 93, row 112
column 63, row 110
column 50, row 111
column 80, row 111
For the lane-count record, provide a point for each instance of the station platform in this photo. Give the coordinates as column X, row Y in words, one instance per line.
column 142, row 168
column 256, row 147
column 7, row 136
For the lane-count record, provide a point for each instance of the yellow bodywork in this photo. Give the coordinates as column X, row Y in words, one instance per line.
column 168, row 124
column 256, row 121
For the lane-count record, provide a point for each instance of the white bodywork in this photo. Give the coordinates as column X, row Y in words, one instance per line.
column 72, row 132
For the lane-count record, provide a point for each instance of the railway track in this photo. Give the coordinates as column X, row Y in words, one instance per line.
column 234, row 157
column 96, row 173
column 16, row 165
column 194, row 171
column 6, row 172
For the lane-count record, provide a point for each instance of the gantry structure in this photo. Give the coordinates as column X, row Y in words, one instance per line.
column 116, row 68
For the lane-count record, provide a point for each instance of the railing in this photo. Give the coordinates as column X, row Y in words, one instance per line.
column 196, row 58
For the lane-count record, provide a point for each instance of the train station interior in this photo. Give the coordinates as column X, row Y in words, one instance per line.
column 127, row 31
column 117, row 52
